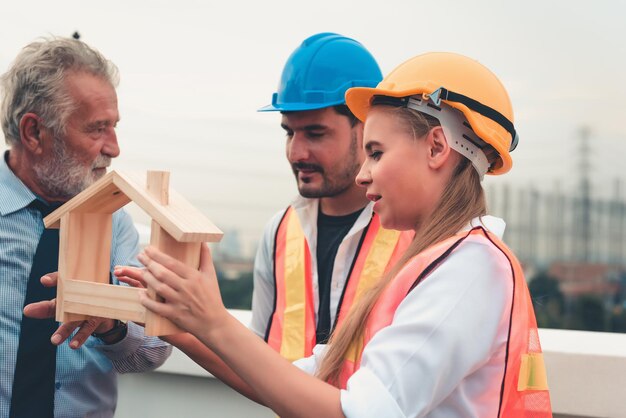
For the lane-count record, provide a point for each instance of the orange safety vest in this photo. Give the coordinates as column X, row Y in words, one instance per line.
column 524, row 391
column 291, row 329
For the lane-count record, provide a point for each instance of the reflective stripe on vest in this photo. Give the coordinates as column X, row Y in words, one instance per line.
column 291, row 330
column 524, row 391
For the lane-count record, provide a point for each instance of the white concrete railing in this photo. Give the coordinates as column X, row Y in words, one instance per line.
column 586, row 374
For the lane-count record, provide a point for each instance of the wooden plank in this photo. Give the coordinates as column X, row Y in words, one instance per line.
column 186, row 252
column 103, row 300
column 64, row 234
column 84, row 252
column 158, row 185
column 85, row 245
column 101, row 197
column 179, row 217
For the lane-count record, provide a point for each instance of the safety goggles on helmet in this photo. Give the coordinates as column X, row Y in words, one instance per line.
column 457, row 130
column 444, row 94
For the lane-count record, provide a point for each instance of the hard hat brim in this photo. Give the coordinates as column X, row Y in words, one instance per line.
column 359, row 99
column 297, row 107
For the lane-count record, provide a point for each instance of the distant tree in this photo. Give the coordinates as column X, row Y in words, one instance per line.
column 588, row 314
column 547, row 300
column 236, row 293
column 618, row 320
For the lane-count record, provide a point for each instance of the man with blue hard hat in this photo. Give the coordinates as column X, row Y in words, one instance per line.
column 318, row 256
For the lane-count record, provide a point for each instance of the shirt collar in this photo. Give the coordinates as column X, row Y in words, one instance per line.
column 308, row 207
column 16, row 195
column 312, row 204
column 491, row 223
column 300, row 202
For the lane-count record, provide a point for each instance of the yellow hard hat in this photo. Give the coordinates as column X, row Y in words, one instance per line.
column 458, row 81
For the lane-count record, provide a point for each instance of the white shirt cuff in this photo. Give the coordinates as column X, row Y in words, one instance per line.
column 310, row 365
column 366, row 396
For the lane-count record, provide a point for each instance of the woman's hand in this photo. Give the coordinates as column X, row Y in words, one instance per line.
column 191, row 297
column 193, row 302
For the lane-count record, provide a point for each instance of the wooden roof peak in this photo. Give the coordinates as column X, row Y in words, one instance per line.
column 151, row 192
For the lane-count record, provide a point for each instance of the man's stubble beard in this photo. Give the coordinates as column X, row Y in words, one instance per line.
column 342, row 181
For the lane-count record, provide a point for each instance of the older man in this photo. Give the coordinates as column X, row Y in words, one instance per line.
column 59, row 113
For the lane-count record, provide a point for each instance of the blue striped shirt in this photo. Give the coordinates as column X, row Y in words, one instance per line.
column 86, row 379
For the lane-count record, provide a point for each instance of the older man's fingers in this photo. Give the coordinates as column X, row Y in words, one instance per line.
column 49, row 279
column 64, row 331
column 86, row 329
column 41, row 310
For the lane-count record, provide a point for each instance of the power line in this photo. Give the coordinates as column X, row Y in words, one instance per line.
column 584, row 166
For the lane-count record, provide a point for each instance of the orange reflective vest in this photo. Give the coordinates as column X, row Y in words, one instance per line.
column 524, row 391
column 291, row 329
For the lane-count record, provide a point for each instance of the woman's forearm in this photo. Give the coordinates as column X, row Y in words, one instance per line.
column 209, row 361
column 278, row 384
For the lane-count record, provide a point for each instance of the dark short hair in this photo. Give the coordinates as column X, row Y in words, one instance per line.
column 344, row 110
column 341, row 109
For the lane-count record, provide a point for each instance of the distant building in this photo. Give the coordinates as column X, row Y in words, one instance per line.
column 230, row 246
column 577, row 278
column 233, row 269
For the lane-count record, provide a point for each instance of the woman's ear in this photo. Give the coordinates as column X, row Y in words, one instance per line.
column 31, row 132
column 438, row 149
column 357, row 132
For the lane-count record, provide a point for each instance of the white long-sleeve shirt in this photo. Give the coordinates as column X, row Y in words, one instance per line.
column 443, row 355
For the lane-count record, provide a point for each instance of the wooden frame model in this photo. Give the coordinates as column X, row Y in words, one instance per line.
column 85, row 223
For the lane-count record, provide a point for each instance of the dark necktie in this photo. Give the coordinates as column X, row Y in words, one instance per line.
column 33, row 382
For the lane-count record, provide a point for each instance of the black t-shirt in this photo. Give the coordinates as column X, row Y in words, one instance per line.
column 330, row 232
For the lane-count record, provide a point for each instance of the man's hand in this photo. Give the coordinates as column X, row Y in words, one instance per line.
column 47, row 309
column 132, row 276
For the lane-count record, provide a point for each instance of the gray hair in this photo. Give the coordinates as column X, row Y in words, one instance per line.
column 35, row 83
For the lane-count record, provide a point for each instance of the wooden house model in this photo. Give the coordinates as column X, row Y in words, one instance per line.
column 85, row 223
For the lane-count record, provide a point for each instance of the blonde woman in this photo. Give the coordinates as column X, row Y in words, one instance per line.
column 450, row 330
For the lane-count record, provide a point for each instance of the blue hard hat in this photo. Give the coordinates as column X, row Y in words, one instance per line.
column 318, row 73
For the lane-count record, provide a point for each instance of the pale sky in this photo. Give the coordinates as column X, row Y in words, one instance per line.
column 193, row 74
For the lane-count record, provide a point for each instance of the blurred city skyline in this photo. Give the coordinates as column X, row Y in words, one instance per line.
column 193, row 75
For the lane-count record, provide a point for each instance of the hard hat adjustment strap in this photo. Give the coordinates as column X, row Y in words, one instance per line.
column 459, row 133
column 444, row 94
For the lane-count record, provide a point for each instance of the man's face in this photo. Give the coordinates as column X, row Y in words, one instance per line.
column 71, row 163
column 324, row 151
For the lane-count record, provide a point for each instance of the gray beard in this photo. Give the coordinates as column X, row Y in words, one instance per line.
column 64, row 176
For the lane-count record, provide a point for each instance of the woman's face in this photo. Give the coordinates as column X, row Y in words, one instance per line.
column 396, row 171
